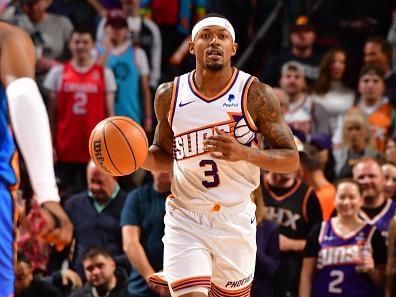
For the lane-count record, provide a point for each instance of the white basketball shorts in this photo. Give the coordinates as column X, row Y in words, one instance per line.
column 206, row 250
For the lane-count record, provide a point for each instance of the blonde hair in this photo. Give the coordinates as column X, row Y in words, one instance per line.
column 355, row 115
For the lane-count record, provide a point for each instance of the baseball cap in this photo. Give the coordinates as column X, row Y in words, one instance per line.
column 302, row 23
column 293, row 66
column 116, row 18
column 322, row 141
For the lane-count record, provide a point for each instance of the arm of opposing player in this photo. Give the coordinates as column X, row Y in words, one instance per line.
column 28, row 115
column 31, row 128
column 160, row 156
column 264, row 108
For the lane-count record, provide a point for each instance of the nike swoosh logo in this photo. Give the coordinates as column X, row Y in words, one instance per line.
column 252, row 220
column 181, row 104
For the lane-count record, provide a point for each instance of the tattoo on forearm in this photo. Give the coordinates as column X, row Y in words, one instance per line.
column 264, row 107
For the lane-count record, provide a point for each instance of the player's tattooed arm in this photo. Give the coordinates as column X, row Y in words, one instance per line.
column 160, row 157
column 264, row 108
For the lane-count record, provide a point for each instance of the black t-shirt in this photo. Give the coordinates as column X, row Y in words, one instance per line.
column 373, row 212
column 293, row 199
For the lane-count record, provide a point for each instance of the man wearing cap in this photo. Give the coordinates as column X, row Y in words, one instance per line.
column 207, row 125
column 302, row 39
column 144, row 33
column 304, row 114
column 131, row 70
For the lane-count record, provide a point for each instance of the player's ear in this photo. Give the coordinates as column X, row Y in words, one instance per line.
column 191, row 47
column 234, row 48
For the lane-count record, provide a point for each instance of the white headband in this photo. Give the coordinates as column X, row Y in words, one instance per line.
column 213, row 21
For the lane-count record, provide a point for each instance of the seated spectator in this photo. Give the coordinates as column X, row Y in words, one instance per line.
column 302, row 39
column 344, row 256
column 28, row 286
column 103, row 278
column 330, row 90
column 304, row 114
column 389, row 172
column 357, row 142
column 95, row 214
column 142, row 230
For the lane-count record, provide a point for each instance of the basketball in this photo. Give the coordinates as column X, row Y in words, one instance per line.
column 242, row 132
column 118, row 145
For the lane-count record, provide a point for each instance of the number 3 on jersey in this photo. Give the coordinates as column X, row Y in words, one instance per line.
column 213, row 179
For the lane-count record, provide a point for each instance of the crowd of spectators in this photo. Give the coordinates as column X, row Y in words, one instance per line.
column 332, row 64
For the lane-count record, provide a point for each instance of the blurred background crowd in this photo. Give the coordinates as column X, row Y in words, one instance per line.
column 332, row 65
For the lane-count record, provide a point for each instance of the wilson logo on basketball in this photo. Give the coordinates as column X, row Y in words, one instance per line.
column 97, row 145
column 118, row 145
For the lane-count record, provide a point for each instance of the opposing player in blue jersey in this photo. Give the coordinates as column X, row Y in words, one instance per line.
column 344, row 256
column 22, row 106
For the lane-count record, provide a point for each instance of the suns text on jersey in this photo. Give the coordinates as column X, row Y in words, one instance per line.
column 191, row 144
column 346, row 254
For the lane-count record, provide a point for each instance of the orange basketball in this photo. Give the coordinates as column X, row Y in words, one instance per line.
column 118, row 145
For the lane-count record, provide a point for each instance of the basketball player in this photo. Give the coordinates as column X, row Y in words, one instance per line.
column 344, row 256
column 207, row 125
column 20, row 98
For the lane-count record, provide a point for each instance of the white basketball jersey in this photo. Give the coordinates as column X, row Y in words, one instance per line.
column 199, row 178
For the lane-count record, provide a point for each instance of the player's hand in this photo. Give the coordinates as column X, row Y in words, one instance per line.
column 224, row 146
column 57, row 230
column 160, row 290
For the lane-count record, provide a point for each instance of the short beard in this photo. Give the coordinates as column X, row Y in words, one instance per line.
column 215, row 66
